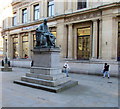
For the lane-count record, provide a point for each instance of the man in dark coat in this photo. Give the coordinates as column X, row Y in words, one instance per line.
column 106, row 71
column 43, row 36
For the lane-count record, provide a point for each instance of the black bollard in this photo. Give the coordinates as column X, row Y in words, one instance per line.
column 2, row 63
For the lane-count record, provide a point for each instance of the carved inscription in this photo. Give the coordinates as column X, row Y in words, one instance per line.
column 82, row 16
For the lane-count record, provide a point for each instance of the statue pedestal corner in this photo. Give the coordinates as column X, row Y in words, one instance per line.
column 46, row 72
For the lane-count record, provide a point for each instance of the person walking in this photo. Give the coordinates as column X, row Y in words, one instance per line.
column 106, row 71
column 104, row 68
column 66, row 67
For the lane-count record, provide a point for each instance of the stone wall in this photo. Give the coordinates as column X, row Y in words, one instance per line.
column 80, row 67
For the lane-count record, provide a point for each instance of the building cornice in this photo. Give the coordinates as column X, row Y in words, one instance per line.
column 115, row 4
column 15, row 2
column 81, row 12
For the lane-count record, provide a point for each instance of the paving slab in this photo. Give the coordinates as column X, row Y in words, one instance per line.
column 91, row 91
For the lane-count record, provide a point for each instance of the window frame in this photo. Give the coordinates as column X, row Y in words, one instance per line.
column 38, row 12
column 24, row 15
column 81, row 4
column 15, row 47
column 25, row 41
column 50, row 8
column 14, row 20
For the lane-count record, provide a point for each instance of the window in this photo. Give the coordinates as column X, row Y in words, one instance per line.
column 53, row 31
column 34, row 40
column 14, row 20
column 82, row 4
column 24, row 45
column 83, row 43
column 50, row 8
column 24, row 15
column 36, row 12
column 15, row 47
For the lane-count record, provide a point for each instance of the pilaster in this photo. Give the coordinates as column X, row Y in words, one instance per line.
column 19, row 46
column 94, row 40
column 100, row 38
column 61, row 39
column 28, row 14
column 70, row 41
column 9, row 47
column 114, row 38
column 45, row 8
column 107, row 34
column 30, row 43
column 4, row 47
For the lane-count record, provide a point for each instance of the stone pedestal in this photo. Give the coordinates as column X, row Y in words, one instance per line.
column 6, row 68
column 46, row 72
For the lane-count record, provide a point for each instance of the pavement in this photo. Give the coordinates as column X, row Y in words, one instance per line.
column 92, row 91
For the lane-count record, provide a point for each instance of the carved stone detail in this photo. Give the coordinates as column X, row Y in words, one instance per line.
column 83, row 16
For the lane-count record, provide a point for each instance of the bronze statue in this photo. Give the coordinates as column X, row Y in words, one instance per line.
column 44, row 38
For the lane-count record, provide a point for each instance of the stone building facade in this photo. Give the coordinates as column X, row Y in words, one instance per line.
column 85, row 30
column 1, row 46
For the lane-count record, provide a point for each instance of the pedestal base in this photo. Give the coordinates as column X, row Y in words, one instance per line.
column 47, row 88
column 6, row 69
column 46, row 73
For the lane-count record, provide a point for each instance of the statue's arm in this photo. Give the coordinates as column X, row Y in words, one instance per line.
column 40, row 29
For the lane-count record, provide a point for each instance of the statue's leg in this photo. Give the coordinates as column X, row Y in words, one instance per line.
column 52, row 39
column 45, row 41
column 49, row 40
column 41, row 39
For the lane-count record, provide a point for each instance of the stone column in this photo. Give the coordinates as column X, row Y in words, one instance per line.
column 19, row 46
column 45, row 8
column 4, row 47
column 114, row 38
column 94, row 40
column 41, row 9
column 30, row 43
column 75, row 43
column 61, row 38
column 65, row 41
column 70, row 41
column 31, row 12
column 10, row 47
column 100, row 39
column 107, row 37
column 28, row 14
column 18, row 16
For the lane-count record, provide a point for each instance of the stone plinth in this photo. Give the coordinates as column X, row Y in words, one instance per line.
column 6, row 68
column 46, row 57
column 46, row 72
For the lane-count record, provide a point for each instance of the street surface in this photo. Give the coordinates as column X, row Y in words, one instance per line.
column 92, row 91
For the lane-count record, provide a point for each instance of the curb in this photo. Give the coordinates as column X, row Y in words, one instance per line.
column 96, row 74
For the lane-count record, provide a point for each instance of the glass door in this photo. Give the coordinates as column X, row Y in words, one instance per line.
column 15, row 47
column 25, row 46
column 83, row 43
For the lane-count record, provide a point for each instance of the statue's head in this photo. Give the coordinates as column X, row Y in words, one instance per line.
column 45, row 21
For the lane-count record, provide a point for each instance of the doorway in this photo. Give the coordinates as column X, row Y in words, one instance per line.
column 83, row 43
column 15, row 47
column 24, row 46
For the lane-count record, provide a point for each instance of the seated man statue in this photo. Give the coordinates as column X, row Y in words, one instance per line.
column 43, row 36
